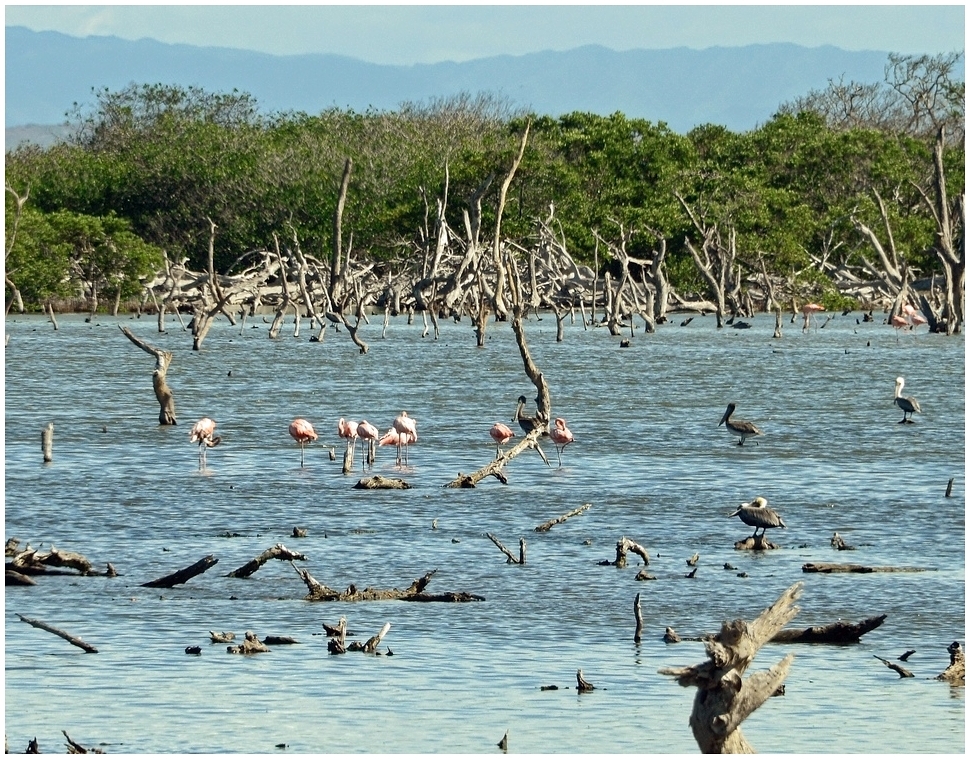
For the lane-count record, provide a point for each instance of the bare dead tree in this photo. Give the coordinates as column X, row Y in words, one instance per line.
column 163, row 393
column 20, row 201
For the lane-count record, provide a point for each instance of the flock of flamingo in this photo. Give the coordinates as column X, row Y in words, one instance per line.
column 401, row 434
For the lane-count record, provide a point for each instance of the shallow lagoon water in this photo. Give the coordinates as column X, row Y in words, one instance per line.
column 649, row 458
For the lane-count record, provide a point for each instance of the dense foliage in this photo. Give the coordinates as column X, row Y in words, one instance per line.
column 149, row 165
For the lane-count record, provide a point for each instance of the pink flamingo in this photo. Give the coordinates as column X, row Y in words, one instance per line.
column 908, row 318
column 203, row 433
column 561, row 437
column 407, row 430
column 367, row 431
column 302, row 432
column 390, row 437
column 807, row 310
column 348, row 431
column 501, row 434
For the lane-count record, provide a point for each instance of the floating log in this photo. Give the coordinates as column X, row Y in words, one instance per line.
column 495, row 468
column 903, row 672
column 280, row 640
column 498, row 544
column 955, row 674
column 414, row 592
column 724, row 700
column 623, row 546
column 77, row 748
column 74, row 641
column 251, row 645
column 32, row 561
column 825, row 568
column 13, row 577
column 381, row 483
column 183, row 575
column 546, row 526
column 279, row 551
column 370, row 646
column 221, row 637
column 836, row 632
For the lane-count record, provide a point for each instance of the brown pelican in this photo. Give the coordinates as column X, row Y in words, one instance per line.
column 527, row 423
column 737, row 426
column 908, row 405
column 757, row 514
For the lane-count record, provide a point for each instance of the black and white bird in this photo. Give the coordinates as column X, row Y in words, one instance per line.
column 908, row 405
column 738, row 427
column 757, row 514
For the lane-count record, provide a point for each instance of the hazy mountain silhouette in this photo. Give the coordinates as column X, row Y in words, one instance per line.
column 740, row 87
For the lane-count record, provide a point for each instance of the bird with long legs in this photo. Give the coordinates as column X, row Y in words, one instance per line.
column 757, row 514
column 526, row 423
column 808, row 310
column 368, row 435
column 302, row 432
column 738, row 427
column 407, row 430
column 501, row 434
column 908, row 404
column 203, row 433
column 561, row 437
column 348, row 431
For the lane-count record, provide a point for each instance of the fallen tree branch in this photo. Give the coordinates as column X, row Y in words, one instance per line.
column 279, row 551
column 498, row 544
column 836, row 632
column 825, row 568
column 183, row 575
column 903, row 672
column 546, row 526
column 415, row 592
column 74, row 641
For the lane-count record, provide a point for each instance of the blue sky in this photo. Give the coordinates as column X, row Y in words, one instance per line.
column 407, row 34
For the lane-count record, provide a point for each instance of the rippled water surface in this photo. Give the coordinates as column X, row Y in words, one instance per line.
column 650, row 459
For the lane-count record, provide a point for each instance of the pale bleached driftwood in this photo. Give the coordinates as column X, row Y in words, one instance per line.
column 163, row 393
column 414, row 592
column 250, row 645
column 955, row 674
column 47, row 442
column 498, row 544
column 724, row 699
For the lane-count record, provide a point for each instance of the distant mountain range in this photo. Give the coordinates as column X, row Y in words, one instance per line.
column 739, row 87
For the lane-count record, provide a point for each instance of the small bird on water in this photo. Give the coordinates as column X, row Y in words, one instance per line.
column 757, row 514
column 908, row 405
column 738, row 427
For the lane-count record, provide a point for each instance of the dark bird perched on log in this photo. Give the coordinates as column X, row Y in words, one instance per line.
column 527, row 423
column 757, row 514
column 738, row 427
column 908, row 405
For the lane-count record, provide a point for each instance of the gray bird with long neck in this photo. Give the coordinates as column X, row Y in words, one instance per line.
column 738, row 427
column 908, row 405
column 757, row 514
column 527, row 423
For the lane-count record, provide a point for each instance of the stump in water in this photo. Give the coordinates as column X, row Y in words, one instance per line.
column 724, row 700
column 955, row 674
column 755, row 543
column 381, row 483
column 47, row 442
column 163, row 394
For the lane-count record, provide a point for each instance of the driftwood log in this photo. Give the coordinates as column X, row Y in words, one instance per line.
column 724, row 700
column 837, row 632
column 163, row 393
column 824, row 568
column 183, row 575
column 73, row 640
column 955, row 674
column 251, row 645
column 47, row 442
column 32, row 561
column 370, row 645
column 414, row 592
column 381, row 483
column 623, row 546
column 546, row 526
column 511, row 559
column 12, row 577
column 899, row 668
column 76, row 748
column 279, row 551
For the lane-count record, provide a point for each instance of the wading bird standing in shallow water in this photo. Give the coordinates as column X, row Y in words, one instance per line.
column 561, row 437
column 738, row 427
column 203, row 433
column 302, row 432
column 527, row 423
column 348, row 431
column 807, row 310
column 407, row 431
column 368, row 433
column 757, row 514
column 908, row 405
column 501, row 434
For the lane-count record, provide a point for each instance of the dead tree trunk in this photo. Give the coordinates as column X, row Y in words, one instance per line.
column 724, row 700
column 163, row 393
column 20, row 200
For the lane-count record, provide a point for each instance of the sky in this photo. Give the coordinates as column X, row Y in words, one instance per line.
column 408, row 34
